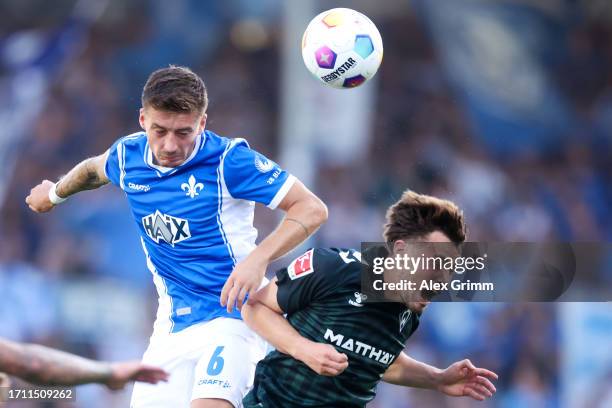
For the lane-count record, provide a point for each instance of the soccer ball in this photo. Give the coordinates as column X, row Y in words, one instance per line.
column 342, row 48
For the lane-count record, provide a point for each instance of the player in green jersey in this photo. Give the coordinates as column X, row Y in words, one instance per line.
column 334, row 347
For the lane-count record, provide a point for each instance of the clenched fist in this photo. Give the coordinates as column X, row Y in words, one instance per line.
column 323, row 359
column 38, row 200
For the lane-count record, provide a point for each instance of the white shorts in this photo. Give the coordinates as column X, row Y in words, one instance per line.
column 214, row 359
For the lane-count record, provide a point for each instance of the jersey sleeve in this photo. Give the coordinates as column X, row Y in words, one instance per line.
column 113, row 162
column 251, row 176
column 311, row 277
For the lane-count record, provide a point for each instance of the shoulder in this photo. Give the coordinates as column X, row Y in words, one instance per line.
column 133, row 139
column 223, row 142
column 126, row 146
column 317, row 275
column 132, row 142
column 127, row 152
column 338, row 257
column 223, row 147
column 333, row 263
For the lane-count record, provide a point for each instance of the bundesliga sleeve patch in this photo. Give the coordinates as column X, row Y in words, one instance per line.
column 301, row 266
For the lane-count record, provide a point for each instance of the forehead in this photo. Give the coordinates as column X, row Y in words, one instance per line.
column 171, row 120
column 442, row 246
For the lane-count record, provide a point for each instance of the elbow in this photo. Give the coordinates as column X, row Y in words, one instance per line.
column 31, row 367
column 324, row 213
column 318, row 212
column 247, row 313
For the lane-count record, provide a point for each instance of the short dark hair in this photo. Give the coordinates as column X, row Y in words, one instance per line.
column 175, row 89
column 416, row 215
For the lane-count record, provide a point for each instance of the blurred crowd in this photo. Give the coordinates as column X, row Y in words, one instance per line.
column 76, row 278
column 553, row 193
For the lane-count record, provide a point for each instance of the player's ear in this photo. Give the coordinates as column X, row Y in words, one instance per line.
column 203, row 123
column 141, row 119
column 399, row 246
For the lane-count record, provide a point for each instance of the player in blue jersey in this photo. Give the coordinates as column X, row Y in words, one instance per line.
column 192, row 195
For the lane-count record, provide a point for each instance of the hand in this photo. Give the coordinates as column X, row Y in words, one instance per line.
column 245, row 278
column 125, row 372
column 38, row 200
column 322, row 358
column 5, row 381
column 463, row 379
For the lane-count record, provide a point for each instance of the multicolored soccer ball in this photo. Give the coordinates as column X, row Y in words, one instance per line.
column 342, row 48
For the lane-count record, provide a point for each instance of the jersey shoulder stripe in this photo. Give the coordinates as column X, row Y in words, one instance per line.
column 115, row 165
column 231, row 143
column 221, row 188
column 119, row 157
column 135, row 139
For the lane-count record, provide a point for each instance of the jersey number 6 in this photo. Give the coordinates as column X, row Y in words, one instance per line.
column 215, row 365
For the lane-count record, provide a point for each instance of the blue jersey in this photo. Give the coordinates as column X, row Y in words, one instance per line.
column 195, row 220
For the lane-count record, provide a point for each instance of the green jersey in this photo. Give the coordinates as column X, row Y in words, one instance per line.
column 320, row 292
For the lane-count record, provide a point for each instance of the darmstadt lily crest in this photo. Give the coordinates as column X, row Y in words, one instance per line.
column 192, row 189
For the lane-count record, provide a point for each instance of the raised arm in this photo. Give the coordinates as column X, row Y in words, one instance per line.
column 87, row 175
column 459, row 379
column 263, row 314
column 305, row 213
column 45, row 366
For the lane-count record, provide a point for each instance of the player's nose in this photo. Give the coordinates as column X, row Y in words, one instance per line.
column 170, row 145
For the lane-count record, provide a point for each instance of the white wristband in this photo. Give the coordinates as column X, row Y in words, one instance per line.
column 53, row 197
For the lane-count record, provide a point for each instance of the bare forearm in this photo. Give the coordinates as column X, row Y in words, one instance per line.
column 53, row 367
column 301, row 221
column 274, row 328
column 87, row 175
column 286, row 237
column 409, row 372
column 42, row 365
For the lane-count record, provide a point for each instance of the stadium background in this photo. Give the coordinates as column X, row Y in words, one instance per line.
column 503, row 106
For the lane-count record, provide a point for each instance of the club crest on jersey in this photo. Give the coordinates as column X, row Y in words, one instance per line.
column 301, row 266
column 262, row 164
column 192, row 188
column 403, row 319
column 164, row 227
column 359, row 299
